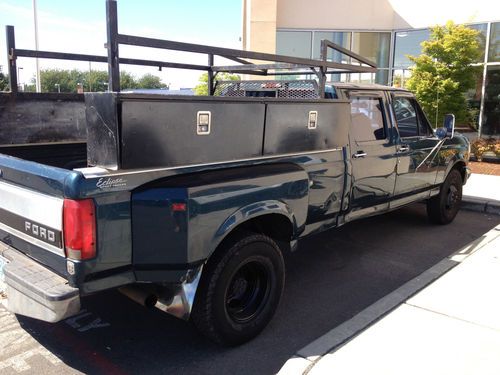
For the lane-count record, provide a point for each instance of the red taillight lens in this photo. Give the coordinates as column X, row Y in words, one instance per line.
column 79, row 228
column 179, row 207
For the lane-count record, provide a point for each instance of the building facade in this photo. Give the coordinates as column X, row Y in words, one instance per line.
column 384, row 31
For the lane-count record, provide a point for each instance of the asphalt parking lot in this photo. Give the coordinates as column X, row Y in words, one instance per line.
column 331, row 278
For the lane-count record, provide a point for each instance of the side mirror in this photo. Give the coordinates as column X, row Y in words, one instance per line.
column 448, row 129
column 441, row 133
column 449, row 124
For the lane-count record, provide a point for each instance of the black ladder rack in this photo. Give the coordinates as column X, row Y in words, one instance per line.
column 276, row 64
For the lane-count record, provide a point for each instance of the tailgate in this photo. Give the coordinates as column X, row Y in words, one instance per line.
column 32, row 217
column 31, row 209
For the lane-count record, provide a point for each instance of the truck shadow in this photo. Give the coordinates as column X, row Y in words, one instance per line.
column 331, row 278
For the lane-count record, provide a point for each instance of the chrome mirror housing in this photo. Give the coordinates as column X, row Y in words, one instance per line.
column 449, row 124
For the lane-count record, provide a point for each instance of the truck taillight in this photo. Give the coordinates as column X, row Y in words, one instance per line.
column 79, row 228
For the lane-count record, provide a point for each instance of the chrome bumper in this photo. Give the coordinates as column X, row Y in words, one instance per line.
column 32, row 290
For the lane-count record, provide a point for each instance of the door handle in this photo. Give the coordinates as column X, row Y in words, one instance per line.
column 359, row 154
column 403, row 148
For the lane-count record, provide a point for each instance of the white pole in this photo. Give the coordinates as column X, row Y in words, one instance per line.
column 35, row 17
column 483, row 82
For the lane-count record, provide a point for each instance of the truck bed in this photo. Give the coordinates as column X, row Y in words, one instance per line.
column 45, row 128
column 67, row 155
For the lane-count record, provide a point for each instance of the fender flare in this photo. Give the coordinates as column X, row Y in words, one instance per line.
column 249, row 212
column 453, row 166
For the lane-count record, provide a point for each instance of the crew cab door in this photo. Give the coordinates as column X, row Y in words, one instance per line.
column 416, row 171
column 373, row 153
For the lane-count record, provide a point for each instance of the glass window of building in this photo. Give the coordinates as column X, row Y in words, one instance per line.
column 408, row 43
column 473, row 97
column 494, row 53
column 491, row 114
column 343, row 39
column 483, row 29
column 381, row 77
column 373, row 46
column 294, row 43
column 361, row 77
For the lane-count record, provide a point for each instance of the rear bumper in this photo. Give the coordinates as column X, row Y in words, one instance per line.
column 35, row 291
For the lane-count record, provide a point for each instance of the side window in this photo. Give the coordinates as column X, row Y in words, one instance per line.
column 410, row 118
column 406, row 117
column 367, row 120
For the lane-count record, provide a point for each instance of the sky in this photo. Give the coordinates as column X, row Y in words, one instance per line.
column 78, row 26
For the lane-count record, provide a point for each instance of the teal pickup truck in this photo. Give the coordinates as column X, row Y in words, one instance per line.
column 187, row 203
column 204, row 239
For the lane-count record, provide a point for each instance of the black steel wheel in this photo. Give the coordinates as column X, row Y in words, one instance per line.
column 249, row 290
column 443, row 208
column 240, row 289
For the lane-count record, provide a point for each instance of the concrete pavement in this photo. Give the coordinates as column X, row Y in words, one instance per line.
column 482, row 193
column 445, row 321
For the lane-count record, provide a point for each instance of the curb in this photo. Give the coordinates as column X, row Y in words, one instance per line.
column 305, row 359
column 489, row 206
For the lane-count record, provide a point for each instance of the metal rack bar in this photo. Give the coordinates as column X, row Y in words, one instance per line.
column 320, row 67
column 11, row 47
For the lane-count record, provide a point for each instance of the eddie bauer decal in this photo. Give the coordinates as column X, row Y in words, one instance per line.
column 105, row 183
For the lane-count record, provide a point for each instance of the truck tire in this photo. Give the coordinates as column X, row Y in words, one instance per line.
column 443, row 208
column 240, row 290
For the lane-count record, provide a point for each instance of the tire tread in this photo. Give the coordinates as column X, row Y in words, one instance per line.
column 202, row 315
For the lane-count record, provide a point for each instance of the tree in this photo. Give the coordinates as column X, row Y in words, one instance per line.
column 4, row 81
column 127, row 81
column 96, row 81
column 59, row 80
column 150, row 81
column 202, row 87
column 54, row 80
column 443, row 73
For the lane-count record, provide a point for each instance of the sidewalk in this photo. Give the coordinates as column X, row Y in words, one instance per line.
column 482, row 193
column 445, row 321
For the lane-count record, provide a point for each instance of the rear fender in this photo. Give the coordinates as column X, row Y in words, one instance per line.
column 253, row 211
